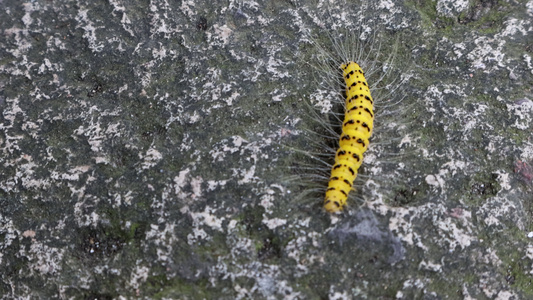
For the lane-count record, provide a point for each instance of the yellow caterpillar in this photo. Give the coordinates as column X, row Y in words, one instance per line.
column 356, row 131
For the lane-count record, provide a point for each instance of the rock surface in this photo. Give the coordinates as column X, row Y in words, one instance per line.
column 144, row 152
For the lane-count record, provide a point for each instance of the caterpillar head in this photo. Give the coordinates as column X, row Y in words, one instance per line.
column 332, row 206
column 334, row 201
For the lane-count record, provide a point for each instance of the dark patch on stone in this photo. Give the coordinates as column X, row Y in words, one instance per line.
column 271, row 249
column 155, row 130
column 485, row 187
column 99, row 297
column 99, row 242
column 271, row 243
column 122, row 156
column 478, row 10
column 97, row 88
column 201, row 24
column 404, row 197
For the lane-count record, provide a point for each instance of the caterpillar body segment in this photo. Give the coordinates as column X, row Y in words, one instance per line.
column 356, row 131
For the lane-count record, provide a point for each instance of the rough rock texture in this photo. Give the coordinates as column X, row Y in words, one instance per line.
column 143, row 152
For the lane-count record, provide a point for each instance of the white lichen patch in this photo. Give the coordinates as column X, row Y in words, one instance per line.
column 28, row 9
column 275, row 67
column 266, row 280
column 139, row 275
column 245, row 175
column 527, row 152
column 81, row 215
column 9, row 232
column 436, row 180
column 268, row 198
column 163, row 238
column 523, row 110
column 151, row 158
column 213, row 184
column 294, row 251
column 454, row 236
column 499, row 208
column 504, row 179
column 119, row 199
column 459, row 49
column 322, row 100
column 338, row 295
column 186, row 187
column 221, row 35
column 252, row 152
column 451, row 8
column 236, row 144
column 514, row 26
column 392, row 11
column 207, row 218
column 488, row 54
column 25, row 174
column 96, row 134
column 118, row 7
column 72, row 174
column 240, row 246
column 89, row 30
column 419, row 284
column 453, row 227
column 488, row 284
column 430, row 266
column 10, row 112
column 274, row 223
column 527, row 60
column 48, row 66
column 434, row 97
column 455, row 167
column 44, row 259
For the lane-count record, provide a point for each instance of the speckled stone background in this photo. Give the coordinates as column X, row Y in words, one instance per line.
column 143, row 152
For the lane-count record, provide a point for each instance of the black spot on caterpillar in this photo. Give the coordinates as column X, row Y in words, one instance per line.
column 356, row 131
